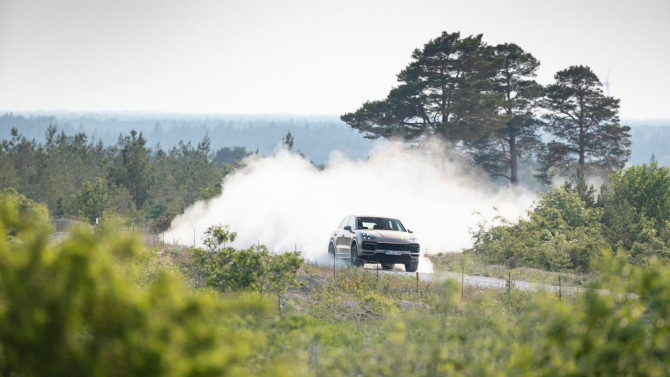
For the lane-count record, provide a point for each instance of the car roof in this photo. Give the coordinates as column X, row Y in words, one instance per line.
column 383, row 217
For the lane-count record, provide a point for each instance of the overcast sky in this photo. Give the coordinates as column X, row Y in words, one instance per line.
column 303, row 57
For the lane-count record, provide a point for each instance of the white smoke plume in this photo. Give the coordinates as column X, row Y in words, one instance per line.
column 284, row 202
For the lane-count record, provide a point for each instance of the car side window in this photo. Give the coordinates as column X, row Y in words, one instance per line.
column 343, row 223
column 351, row 221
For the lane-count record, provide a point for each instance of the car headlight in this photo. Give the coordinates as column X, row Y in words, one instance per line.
column 367, row 236
column 413, row 239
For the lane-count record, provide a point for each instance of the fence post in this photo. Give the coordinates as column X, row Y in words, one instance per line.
column 462, row 276
column 417, row 284
column 509, row 288
column 279, row 303
column 559, row 288
column 334, row 265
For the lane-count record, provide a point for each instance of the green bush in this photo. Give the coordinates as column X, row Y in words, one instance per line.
column 77, row 308
column 560, row 234
column 637, row 212
column 228, row 269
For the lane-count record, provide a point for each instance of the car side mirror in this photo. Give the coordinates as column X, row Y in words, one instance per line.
column 410, row 231
column 347, row 227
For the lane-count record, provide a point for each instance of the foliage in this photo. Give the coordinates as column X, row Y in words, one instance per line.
column 76, row 177
column 92, row 200
column 233, row 156
column 254, row 269
column 561, row 233
column 76, row 308
column 132, row 167
column 217, row 235
column 447, row 91
column 584, row 124
column 577, row 184
column 287, row 141
column 499, row 152
column 97, row 304
column 602, row 334
column 636, row 208
column 483, row 99
column 569, row 226
column 28, row 210
column 525, row 334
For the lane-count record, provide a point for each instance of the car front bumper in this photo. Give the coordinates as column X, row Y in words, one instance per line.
column 388, row 252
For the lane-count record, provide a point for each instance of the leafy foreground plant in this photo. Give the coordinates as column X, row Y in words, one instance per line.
column 77, row 309
column 598, row 333
column 86, row 307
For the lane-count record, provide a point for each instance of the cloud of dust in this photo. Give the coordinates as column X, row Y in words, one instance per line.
column 283, row 201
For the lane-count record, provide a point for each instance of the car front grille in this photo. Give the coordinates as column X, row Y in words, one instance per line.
column 392, row 246
column 372, row 246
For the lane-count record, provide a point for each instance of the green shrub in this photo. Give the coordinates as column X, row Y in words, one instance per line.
column 228, row 269
column 78, row 308
column 560, row 234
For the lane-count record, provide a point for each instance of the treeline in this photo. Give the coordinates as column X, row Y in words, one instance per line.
column 572, row 225
column 484, row 101
column 316, row 136
column 75, row 176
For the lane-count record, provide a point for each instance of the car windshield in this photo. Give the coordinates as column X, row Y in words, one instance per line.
column 379, row 223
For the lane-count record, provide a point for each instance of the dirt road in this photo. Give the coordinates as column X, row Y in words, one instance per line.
column 482, row 281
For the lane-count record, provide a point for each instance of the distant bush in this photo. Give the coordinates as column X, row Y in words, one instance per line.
column 561, row 233
column 636, row 216
column 227, row 269
column 569, row 226
column 28, row 209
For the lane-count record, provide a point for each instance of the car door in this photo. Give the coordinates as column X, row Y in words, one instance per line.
column 347, row 236
column 340, row 240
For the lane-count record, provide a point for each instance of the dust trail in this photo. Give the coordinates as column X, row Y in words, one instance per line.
column 283, row 201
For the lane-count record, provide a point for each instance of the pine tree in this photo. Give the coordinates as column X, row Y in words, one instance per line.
column 287, row 141
column 500, row 152
column 132, row 168
column 584, row 124
column 447, row 91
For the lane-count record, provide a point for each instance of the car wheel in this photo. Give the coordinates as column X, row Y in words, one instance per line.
column 331, row 249
column 411, row 266
column 387, row 266
column 355, row 260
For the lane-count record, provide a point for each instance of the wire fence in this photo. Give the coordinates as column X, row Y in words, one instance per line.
column 144, row 228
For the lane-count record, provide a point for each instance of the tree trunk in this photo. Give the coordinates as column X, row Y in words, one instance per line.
column 582, row 134
column 582, row 149
column 513, row 160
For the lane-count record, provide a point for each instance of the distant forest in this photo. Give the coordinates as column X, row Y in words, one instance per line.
column 649, row 138
column 315, row 136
